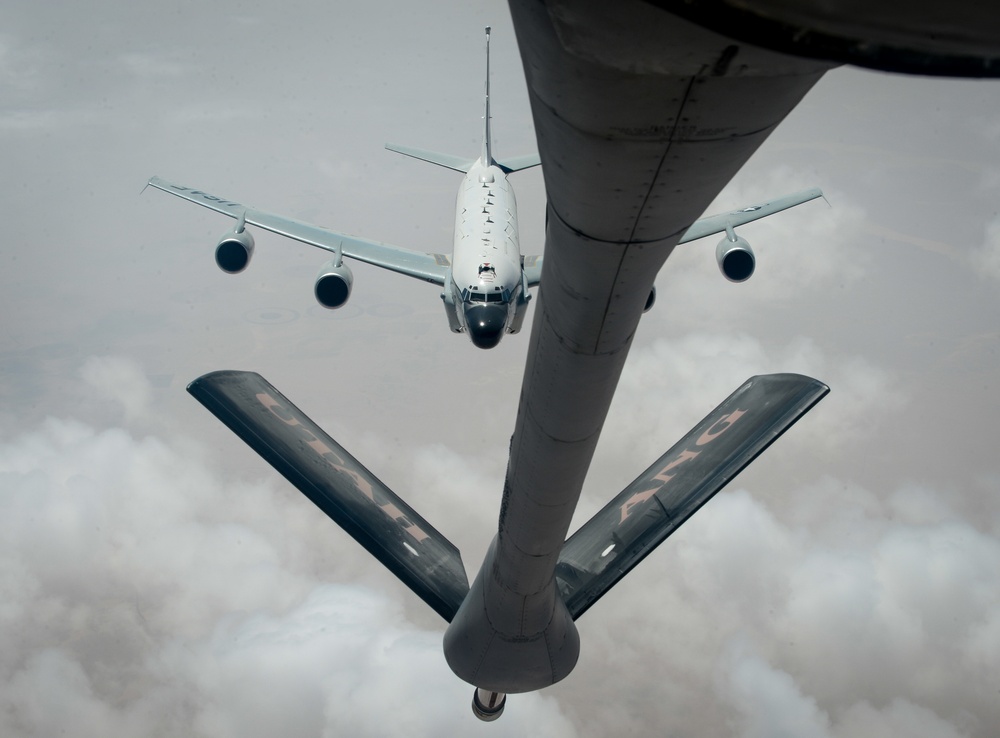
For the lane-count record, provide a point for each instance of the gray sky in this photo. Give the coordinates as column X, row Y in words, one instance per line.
column 157, row 578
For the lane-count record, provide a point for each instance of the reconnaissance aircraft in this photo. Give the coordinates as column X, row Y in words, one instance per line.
column 486, row 281
column 643, row 112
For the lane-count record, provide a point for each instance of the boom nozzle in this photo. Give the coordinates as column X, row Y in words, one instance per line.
column 487, row 705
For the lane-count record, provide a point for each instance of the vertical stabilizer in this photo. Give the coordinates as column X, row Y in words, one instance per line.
column 461, row 164
column 487, row 145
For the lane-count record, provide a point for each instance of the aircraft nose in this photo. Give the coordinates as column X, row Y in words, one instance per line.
column 486, row 324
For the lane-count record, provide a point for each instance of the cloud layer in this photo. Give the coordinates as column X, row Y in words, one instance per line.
column 148, row 591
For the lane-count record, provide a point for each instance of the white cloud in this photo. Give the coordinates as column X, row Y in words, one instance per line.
column 121, row 380
column 767, row 701
column 893, row 613
column 986, row 259
column 344, row 662
column 18, row 72
column 52, row 695
column 145, row 65
column 839, row 612
column 898, row 718
column 144, row 593
column 671, row 384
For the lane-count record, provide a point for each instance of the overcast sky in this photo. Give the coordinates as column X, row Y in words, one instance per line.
column 157, row 578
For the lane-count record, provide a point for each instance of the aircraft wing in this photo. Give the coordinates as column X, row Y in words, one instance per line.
column 709, row 225
column 627, row 529
column 718, row 223
column 392, row 531
column 428, row 267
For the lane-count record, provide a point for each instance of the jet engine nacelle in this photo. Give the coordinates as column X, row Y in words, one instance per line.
column 333, row 285
column 234, row 251
column 735, row 257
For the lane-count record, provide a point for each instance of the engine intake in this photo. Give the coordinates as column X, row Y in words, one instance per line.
column 735, row 257
column 234, row 251
column 650, row 300
column 333, row 285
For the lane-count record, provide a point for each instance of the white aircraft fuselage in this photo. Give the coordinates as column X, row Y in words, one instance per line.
column 486, row 291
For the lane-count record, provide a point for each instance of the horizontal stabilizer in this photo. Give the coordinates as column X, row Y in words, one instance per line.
column 461, row 164
column 391, row 531
column 517, row 163
column 628, row 528
column 458, row 163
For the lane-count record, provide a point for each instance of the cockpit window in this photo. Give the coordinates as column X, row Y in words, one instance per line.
column 485, row 297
